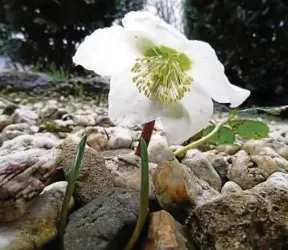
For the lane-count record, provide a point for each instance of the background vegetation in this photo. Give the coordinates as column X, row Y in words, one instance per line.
column 251, row 39
column 50, row 29
column 250, row 36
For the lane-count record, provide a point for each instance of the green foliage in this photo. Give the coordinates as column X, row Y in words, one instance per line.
column 52, row 28
column 144, row 196
column 274, row 111
column 245, row 128
column 59, row 75
column 249, row 129
column 223, row 136
column 250, row 37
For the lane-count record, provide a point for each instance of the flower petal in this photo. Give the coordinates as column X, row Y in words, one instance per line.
column 126, row 105
column 209, row 74
column 162, row 33
column 184, row 119
column 106, row 51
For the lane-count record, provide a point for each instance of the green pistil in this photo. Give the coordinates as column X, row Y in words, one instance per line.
column 161, row 74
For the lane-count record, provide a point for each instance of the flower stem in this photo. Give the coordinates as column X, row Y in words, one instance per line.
column 146, row 135
column 205, row 138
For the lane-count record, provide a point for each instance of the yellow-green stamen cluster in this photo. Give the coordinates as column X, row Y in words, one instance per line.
column 161, row 74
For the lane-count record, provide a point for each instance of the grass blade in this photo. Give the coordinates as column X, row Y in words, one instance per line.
column 72, row 177
column 144, row 196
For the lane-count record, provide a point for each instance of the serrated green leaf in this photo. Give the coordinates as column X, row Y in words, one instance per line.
column 224, row 135
column 249, row 129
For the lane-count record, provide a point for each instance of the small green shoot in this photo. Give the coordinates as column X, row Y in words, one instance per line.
column 144, row 196
column 72, row 177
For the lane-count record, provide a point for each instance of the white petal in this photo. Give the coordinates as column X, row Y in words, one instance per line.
column 191, row 114
column 161, row 32
column 126, row 105
column 209, row 74
column 237, row 95
column 106, row 51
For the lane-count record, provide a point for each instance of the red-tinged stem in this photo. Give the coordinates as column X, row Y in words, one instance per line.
column 146, row 135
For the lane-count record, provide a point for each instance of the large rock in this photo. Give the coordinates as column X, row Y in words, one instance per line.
column 93, row 176
column 39, row 225
column 23, row 175
column 107, row 222
column 23, row 81
column 24, row 142
column 179, row 190
column 255, row 219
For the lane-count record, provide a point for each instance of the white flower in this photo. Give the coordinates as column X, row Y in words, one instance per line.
column 156, row 72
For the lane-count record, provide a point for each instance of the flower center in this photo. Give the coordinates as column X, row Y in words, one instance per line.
column 161, row 74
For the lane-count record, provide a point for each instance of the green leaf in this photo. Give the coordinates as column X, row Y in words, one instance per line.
column 275, row 111
column 223, row 136
column 144, row 196
column 249, row 129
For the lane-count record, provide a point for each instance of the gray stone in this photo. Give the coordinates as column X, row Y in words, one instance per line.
column 12, row 131
column 244, row 172
column 107, row 222
column 23, row 81
column 254, row 219
column 39, row 224
column 25, row 142
column 24, row 115
column 250, row 170
column 221, row 162
column 231, row 187
column 158, row 149
column 112, row 153
column 202, row 168
column 230, row 149
column 52, row 111
column 119, row 137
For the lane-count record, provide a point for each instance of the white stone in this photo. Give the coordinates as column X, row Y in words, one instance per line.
column 231, row 187
column 119, row 137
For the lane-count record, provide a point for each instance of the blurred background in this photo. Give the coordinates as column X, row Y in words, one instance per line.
column 249, row 36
